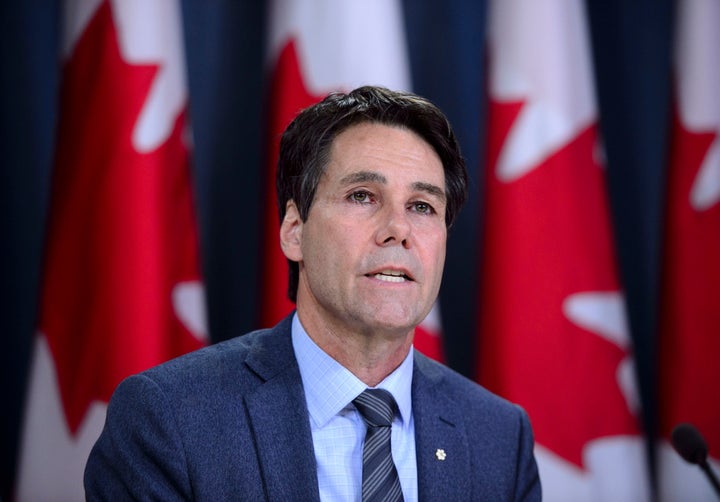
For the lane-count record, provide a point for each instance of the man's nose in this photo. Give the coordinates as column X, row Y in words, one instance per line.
column 394, row 226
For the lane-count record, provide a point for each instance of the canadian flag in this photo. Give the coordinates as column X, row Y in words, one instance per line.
column 121, row 288
column 553, row 333
column 316, row 47
column 690, row 313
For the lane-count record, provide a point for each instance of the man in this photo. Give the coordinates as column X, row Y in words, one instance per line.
column 368, row 184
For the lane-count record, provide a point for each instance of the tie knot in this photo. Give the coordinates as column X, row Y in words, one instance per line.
column 377, row 407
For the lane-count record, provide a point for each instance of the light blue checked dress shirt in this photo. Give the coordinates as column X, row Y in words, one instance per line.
column 337, row 428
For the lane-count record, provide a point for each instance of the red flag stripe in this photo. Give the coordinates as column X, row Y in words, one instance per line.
column 690, row 318
column 553, row 335
column 121, row 288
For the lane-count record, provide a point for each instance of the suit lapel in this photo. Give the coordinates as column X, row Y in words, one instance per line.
column 279, row 419
column 280, row 425
column 443, row 458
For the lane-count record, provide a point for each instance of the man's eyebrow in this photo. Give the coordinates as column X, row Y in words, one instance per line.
column 373, row 177
column 363, row 177
column 430, row 189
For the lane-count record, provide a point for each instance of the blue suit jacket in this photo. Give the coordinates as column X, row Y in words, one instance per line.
column 229, row 422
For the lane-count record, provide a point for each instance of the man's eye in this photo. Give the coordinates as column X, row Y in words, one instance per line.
column 360, row 196
column 423, row 208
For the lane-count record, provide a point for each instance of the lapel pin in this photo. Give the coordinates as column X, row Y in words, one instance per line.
column 440, row 454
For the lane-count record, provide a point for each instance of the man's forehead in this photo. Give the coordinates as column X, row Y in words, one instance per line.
column 373, row 152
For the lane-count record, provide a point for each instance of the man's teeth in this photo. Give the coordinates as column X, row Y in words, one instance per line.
column 390, row 276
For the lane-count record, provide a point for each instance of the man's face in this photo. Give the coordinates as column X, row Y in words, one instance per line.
column 372, row 249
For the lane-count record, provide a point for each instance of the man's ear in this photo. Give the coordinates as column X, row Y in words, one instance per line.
column 291, row 232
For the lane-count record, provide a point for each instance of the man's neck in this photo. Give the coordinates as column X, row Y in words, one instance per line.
column 369, row 355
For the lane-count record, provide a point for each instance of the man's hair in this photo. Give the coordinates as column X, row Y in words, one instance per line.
column 305, row 146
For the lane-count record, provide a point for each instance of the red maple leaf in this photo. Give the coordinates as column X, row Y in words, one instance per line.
column 288, row 95
column 547, row 238
column 121, row 229
column 690, row 314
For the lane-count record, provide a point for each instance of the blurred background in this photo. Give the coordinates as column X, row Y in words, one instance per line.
column 244, row 69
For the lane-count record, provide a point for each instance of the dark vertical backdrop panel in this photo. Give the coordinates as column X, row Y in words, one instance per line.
column 632, row 47
column 446, row 43
column 225, row 46
column 29, row 34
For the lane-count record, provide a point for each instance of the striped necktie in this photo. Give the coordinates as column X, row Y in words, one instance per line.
column 380, row 481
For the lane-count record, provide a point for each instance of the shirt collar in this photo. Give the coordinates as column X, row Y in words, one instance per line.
column 330, row 387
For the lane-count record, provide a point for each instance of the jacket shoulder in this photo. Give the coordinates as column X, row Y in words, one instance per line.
column 459, row 389
column 252, row 356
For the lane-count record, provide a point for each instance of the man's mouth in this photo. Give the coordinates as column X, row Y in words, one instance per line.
column 390, row 276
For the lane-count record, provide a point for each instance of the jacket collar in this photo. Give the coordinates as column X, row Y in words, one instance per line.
column 278, row 416
column 443, row 459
